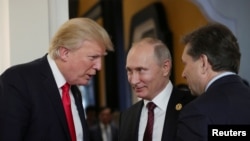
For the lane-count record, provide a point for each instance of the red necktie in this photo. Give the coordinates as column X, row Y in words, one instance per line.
column 149, row 128
column 67, row 109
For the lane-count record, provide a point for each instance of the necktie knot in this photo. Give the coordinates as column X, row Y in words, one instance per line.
column 65, row 87
column 151, row 106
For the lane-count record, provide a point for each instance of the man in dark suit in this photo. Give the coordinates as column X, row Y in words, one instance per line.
column 31, row 107
column 148, row 67
column 105, row 129
column 212, row 58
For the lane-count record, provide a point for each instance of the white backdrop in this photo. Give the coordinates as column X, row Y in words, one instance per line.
column 26, row 27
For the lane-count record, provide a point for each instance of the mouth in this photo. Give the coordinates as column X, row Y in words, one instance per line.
column 88, row 77
column 138, row 89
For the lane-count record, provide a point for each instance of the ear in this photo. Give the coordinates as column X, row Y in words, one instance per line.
column 64, row 53
column 205, row 65
column 166, row 67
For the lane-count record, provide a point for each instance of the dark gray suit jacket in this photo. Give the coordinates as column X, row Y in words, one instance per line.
column 96, row 133
column 30, row 105
column 226, row 101
column 129, row 119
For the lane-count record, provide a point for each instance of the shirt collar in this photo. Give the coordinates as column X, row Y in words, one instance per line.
column 161, row 100
column 217, row 77
column 60, row 80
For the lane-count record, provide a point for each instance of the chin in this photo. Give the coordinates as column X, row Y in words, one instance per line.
column 84, row 83
column 141, row 95
column 194, row 93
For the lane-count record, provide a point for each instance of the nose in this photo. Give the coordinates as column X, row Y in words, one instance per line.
column 134, row 78
column 183, row 74
column 98, row 64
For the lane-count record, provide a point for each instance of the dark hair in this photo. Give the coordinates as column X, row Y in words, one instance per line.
column 218, row 43
column 105, row 108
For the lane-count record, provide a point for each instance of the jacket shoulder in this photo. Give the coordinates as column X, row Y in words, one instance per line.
column 183, row 96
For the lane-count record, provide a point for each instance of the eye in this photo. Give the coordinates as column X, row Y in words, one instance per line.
column 129, row 71
column 141, row 69
column 94, row 57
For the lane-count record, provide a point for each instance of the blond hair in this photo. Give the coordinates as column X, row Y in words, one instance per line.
column 77, row 30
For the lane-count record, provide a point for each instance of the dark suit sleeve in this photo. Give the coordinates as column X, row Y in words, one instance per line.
column 30, row 104
column 129, row 123
column 14, row 108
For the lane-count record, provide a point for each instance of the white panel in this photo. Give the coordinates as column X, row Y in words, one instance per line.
column 29, row 36
column 4, row 35
column 209, row 10
column 58, row 14
column 26, row 27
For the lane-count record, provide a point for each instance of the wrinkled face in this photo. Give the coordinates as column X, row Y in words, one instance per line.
column 192, row 72
column 146, row 77
column 81, row 65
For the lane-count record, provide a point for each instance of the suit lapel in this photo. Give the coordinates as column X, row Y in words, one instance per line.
column 49, row 85
column 170, row 117
column 78, row 100
column 136, row 121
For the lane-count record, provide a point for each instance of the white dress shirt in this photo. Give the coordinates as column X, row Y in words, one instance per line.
column 60, row 81
column 161, row 101
column 106, row 132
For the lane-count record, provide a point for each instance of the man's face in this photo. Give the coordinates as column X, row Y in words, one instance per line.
column 105, row 116
column 145, row 75
column 83, row 63
column 192, row 72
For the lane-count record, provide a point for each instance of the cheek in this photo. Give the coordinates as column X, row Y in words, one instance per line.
column 129, row 77
column 88, row 66
column 189, row 70
column 83, row 65
column 86, row 63
column 148, row 78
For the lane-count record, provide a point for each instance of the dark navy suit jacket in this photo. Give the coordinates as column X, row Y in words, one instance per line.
column 30, row 105
column 129, row 119
column 226, row 101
